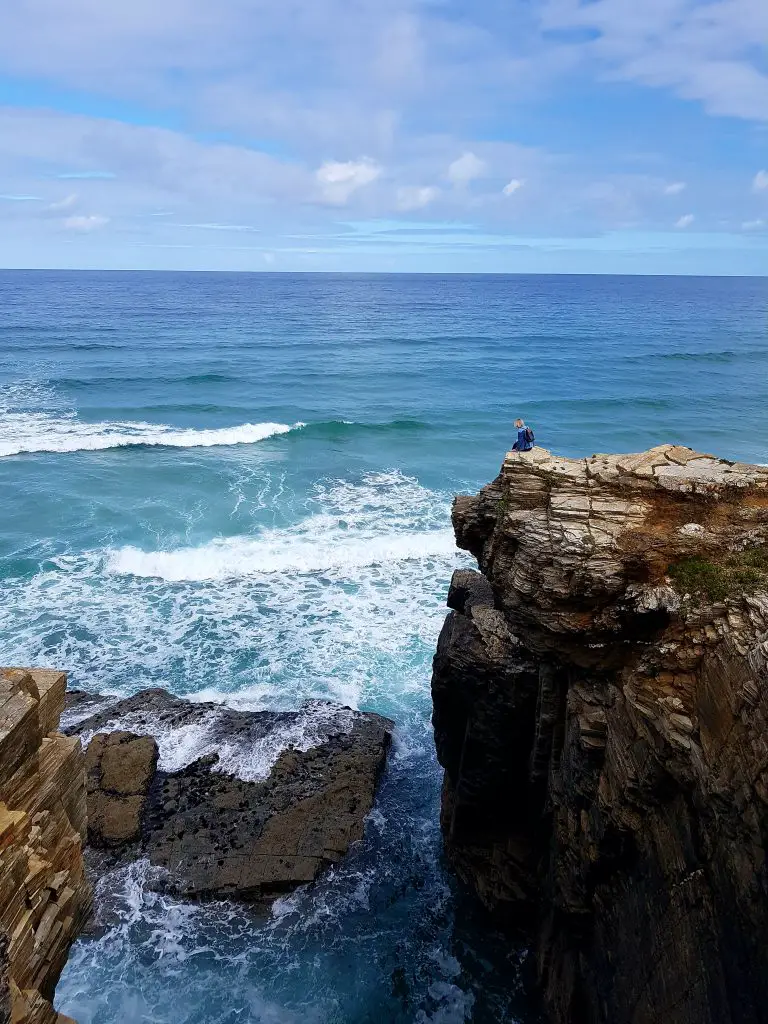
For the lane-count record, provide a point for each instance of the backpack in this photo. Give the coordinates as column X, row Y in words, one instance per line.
column 529, row 436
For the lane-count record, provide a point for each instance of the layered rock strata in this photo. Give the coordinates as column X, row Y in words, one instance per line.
column 44, row 895
column 211, row 832
column 601, row 712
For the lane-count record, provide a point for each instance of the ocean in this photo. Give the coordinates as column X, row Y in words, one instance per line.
column 238, row 487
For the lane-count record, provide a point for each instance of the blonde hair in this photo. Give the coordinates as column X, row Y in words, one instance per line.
column 519, row 423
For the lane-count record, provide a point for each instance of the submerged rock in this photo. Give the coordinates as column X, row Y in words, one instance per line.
column 601, row 711
column 255, row 815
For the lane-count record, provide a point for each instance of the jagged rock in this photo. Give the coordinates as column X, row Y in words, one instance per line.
column 215, row 834
column 44, row 896
column 603, row 725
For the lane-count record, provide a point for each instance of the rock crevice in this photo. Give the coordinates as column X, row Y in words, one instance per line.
column 600, row 700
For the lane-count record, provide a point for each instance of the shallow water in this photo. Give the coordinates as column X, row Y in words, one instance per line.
column 238, row 487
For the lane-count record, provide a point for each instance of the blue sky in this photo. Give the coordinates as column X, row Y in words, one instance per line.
column 607, row 136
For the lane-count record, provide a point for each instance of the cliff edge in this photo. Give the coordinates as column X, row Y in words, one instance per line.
column 45, row 898
column 601, row 711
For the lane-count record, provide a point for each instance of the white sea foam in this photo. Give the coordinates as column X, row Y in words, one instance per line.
column 344, row 605
column 387, row 518
column 24, row 433
column 247, row 758
column 319, row 546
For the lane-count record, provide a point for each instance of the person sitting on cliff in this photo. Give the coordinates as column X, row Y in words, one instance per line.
column 525, row 439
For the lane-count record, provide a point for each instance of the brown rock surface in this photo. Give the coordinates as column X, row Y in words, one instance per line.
column 214, row 833
column 119, row 768
column 601, row 712
column 44, row 896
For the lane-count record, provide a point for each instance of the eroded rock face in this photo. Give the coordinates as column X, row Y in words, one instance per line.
column 44, row 896
column 604, row 729
column 214, row 833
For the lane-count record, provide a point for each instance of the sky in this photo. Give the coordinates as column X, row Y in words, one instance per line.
column 476, row 136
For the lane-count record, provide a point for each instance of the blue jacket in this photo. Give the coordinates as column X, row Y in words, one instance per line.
column 523, row 444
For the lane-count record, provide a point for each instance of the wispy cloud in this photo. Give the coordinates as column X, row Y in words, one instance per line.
column 86, row 176
column 67, row 203
column 685, row 221
column 707, row 52
column 760, row 181
column 339, row 180
column 512, row 186
column 674, row 188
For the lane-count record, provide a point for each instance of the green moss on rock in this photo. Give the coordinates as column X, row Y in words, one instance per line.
column 739, row 573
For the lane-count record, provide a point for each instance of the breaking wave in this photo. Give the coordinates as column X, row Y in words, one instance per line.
column 33, row 420
column 307, row 549
column 328, row 607
column 25, row 433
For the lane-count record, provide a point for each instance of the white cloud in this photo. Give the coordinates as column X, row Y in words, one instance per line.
column 85, row 223
column 685, row 221
column 415, row 197
column 68, row 203
column 753, row 225
column 465, row 169
column 512, row 186
column 708, row 52
column 760, row 181
column 675, row 188
column 338, row 181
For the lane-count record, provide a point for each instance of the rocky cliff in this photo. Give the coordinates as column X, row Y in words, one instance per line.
column 601, row 712
column 44, row 896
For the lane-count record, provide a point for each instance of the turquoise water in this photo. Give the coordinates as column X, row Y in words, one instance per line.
column 238, row 487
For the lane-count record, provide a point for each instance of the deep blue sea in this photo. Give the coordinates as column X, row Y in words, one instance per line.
column 238, row 487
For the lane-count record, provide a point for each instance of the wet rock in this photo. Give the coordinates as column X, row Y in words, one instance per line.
column 79, row 704
column 603, row 730
column 213, row 833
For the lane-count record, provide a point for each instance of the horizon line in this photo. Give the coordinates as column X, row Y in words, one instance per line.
column 371, row 273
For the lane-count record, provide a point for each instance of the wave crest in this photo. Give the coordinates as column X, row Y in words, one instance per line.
column 319, row 550
column 28, row 433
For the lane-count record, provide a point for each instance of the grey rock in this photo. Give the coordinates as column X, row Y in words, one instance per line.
column 212, row 833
